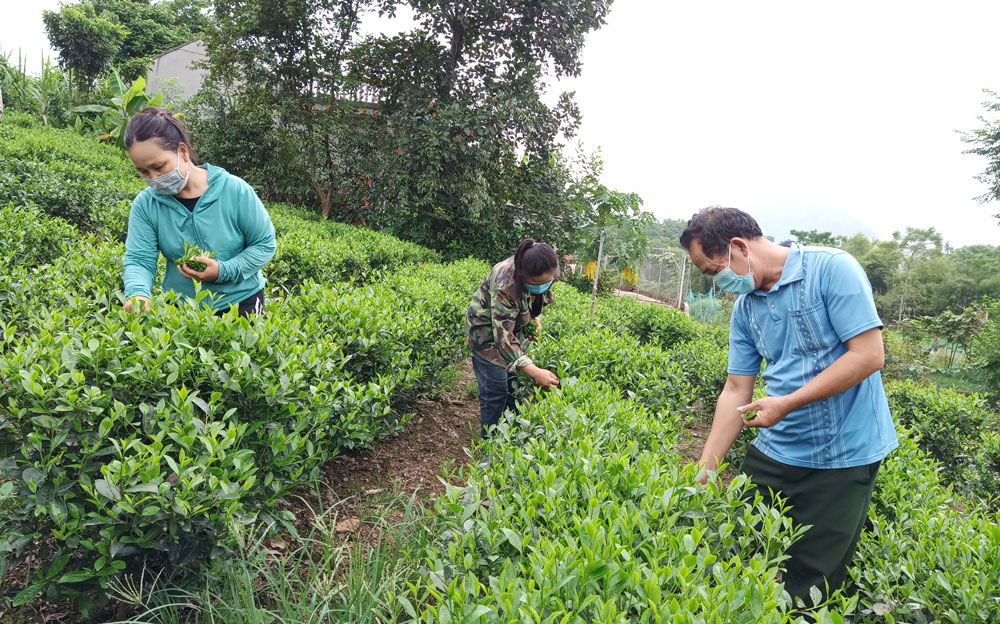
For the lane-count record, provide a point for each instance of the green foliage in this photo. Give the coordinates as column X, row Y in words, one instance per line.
column 904, row 356
column 656, row 355
column 422, row 134
column 193, row 251
column 666, row 233
column 815, row 237
column 135, row 439
column 86, row 40
column 93, row 36
column 45, row 96
column 582, row 509
column 927, row 557
column 986, row 140
column 29, row 238
column 282, row 75
column 945, row 420
column 579, row 280
column 986, row 348
column 326, row 251
column 955, row 331
column 66, row 175
column 112, row 118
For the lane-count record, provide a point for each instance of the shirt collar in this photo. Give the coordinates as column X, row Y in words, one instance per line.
column 791, row 272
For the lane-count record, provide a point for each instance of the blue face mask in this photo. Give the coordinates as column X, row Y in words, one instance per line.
column 731, row 282
column 537, row 289
column 170, row 183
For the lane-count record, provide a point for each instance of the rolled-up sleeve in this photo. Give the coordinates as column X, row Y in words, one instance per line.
column 258, row 239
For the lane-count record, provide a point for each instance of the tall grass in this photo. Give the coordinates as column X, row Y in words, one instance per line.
column 326, row 575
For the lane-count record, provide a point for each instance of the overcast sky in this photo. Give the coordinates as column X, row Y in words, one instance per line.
column 838, row 116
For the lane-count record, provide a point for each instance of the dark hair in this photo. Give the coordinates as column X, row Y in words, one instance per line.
column 533, row 259
column 715, row 226
column 160, row 124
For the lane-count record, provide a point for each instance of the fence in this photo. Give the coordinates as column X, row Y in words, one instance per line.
column 662, row 276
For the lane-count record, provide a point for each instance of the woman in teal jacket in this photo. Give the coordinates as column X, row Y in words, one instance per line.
column 202, row 205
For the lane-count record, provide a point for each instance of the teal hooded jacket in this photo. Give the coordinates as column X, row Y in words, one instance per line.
column 228, row 219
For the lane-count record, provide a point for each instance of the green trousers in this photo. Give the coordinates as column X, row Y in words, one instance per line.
column 834, row 501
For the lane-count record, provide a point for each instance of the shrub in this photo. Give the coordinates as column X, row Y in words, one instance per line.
column 644, row 372
column 65, row 174
column 704, row 365
column 986, row 348
column 585, row 285
column 904, row 357
column 582, row 512
column 134, row 439
column 327, row 251
column 29, row 238
column 946, row 421
column 925, row 559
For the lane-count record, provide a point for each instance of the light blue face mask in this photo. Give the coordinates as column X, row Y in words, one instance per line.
column 537, row 289
column 731, row 282
column 170, row 183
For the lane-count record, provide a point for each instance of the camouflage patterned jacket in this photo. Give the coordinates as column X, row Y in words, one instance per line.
column 498, row 314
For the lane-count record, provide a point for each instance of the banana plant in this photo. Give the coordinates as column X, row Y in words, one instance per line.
column 112, row 118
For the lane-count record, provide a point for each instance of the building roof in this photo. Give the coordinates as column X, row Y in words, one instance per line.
column 175, row 48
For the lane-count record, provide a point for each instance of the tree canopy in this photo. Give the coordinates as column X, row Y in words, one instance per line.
column 94, row 36
column 440, row 134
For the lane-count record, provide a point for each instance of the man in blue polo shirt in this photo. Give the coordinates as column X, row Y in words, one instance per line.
column 824, row 426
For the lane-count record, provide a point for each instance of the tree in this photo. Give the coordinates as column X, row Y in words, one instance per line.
column 955, row 331
column 987, row 144
column 915, row 244
column 93, row 36
column 473, row 134
column 86, row 42
column 815, row 237
column 284, row 63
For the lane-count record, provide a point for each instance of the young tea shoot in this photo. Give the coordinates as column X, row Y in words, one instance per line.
column 190, row 253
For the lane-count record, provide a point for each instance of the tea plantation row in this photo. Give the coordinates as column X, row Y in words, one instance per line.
column 583, row 510
column 131, row 440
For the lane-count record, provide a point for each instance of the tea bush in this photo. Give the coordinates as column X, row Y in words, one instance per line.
column 65, row 174
column 651, row 324
column 986, row 349
column 948, row 423
column 327, row 251
column 29, row 238
column 582, row 513
column 135, row 439
column 926, row 557
column 644, row 372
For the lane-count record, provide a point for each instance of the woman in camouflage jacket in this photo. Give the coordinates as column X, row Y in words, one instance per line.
column 503, row 312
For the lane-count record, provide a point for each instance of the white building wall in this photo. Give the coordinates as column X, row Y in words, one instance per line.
column 176, row 64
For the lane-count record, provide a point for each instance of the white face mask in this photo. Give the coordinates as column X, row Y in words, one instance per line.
column 170, row 183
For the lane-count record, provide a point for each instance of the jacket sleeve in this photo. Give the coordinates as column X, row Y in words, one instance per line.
column 141, row 252
column 504, row 317
column 258, row 240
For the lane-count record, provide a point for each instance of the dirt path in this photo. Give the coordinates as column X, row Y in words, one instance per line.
column 435, row 439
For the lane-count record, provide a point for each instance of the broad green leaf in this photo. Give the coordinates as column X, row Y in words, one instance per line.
column 107, row 489
column 514, row 539
column 27, row 594
column 76, row 576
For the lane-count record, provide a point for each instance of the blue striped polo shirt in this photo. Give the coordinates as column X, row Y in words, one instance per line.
column 799, row 328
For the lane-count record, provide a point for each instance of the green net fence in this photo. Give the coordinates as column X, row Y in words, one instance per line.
column 705, row 307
